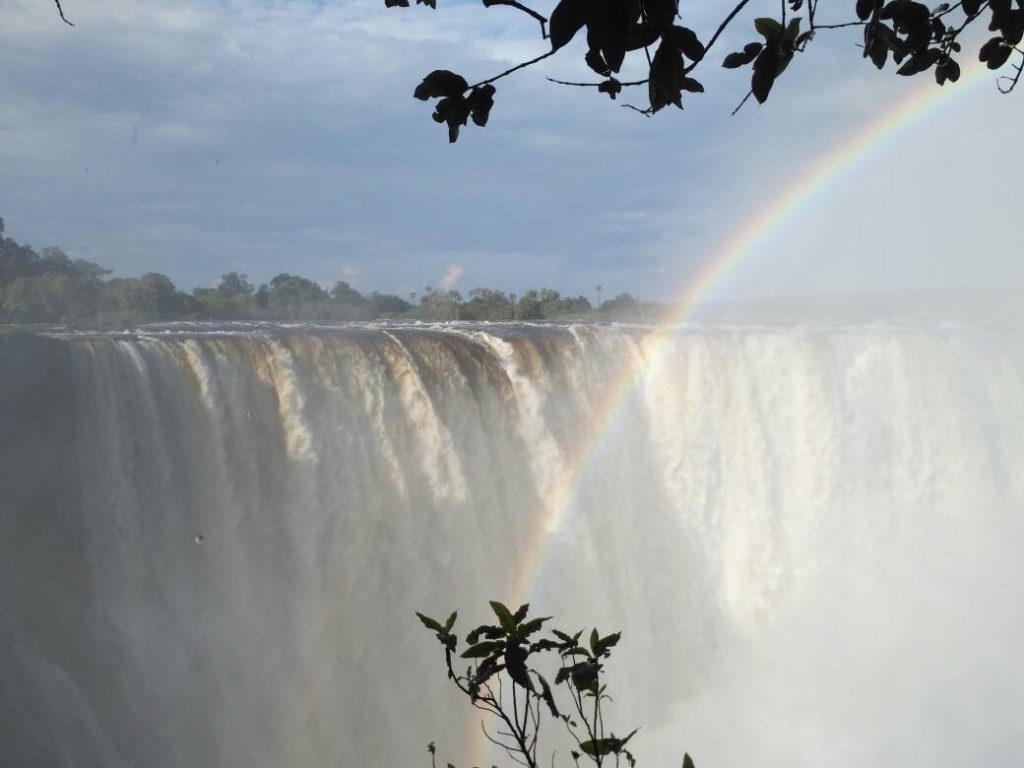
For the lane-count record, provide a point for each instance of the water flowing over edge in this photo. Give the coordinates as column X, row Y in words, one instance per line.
column 215, row 540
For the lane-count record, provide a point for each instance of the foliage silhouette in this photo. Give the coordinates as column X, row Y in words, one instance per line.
column 917, row 39
column 521, row 675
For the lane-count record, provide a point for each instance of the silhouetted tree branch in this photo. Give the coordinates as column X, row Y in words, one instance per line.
column 917, row 39
column 61, row 12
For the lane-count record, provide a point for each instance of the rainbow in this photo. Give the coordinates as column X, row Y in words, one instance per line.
column 807, row 187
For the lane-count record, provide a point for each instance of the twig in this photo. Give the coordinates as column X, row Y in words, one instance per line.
column 516, row 68
column 644, row 112
column 519, row 6
column 597, row 85
column 740, row 105
column 62, row 16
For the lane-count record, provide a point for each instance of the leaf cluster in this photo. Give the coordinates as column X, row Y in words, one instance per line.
column 915, row 37
column 509, row 676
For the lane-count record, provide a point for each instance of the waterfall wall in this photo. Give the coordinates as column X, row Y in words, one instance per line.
column 213, row 542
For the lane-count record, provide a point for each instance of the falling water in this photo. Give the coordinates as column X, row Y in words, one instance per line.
column 213, row 542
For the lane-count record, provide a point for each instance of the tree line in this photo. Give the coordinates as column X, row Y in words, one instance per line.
column 49, row 287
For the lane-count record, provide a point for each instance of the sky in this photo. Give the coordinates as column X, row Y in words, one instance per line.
column 197, row 137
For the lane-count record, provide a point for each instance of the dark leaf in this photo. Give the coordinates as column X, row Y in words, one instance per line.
column 686, row 40
column 430, row 623
column 597, row 63
column 792, row 31
column 606, row 643
column 508, row 622
column 567, row 19
column 765, row 71
column 641, row 35
column 947, row 70
column 744, row 57
column 527, row 629
column 666, row 77
column 769, row 29
column 451, row 621
column 440, row 83
column 549, row 699
column 481, row 100
column 687, row 761
column 482, row 650
column 515, row 664
column 1013, row 26
column 866, row 7
column 661, row 13
column 997, row 58
column 989, row 49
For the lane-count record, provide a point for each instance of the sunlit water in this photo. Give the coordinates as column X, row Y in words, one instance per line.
column 213, row 540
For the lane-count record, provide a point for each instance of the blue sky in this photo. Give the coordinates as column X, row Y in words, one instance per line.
column 193, row 138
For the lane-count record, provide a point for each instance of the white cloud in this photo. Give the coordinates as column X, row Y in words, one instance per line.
column 451, row 277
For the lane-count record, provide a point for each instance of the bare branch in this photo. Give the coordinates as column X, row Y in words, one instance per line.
column 516, row 68
column 645, row 112
column 519, row 6
column 740, row 105
column 61, row 12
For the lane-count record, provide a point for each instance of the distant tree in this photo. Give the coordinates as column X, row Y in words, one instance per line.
column 440, row 305
column 232, row 299
column 154, row 296
column 293, row 296
column 529, row 306
column 623, row 303
column 388, row 304
column 262, row 296
column 235, row 285
column 489, row 304
column 349, row 304
column 917, row 39
column 521, row 676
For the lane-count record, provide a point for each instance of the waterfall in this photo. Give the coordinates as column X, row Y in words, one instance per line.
column 213, row 540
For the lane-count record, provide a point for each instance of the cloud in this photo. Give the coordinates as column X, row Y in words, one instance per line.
column 451, row 277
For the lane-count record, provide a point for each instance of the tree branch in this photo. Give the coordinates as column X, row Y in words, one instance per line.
column 529, row 11
column 516, row 68
column 61, row 12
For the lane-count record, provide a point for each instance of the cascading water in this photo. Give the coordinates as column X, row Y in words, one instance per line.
column 213, row 542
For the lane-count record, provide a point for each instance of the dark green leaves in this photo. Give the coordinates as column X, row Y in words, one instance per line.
column 769, row 29
column 744, row 57
column 508, row 622
column 482, row 650
column 430, row 623
column 607, row 746
column 511, row 652
column 687, row 761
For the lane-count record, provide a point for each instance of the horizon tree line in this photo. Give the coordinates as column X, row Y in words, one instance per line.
column 49, row 287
